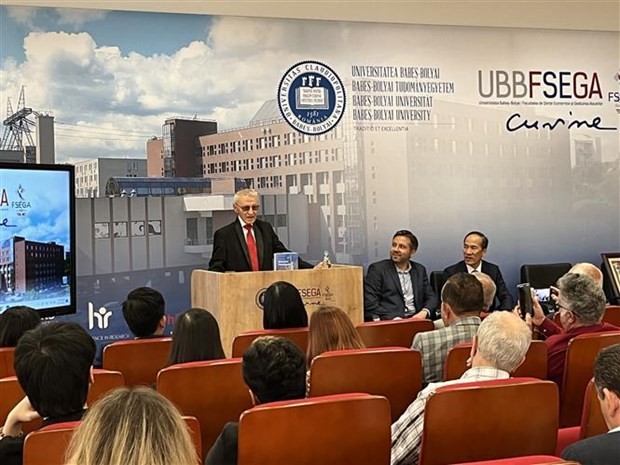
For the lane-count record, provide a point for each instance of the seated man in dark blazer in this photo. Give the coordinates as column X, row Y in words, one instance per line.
column 247, row 244
column 474, row 248
column 398, row 287
column 603, row 449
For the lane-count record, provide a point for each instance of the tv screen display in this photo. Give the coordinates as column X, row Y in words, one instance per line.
column 37, row 238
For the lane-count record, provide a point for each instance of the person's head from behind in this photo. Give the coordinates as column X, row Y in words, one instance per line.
column 274, row 369
column 488, row 290
column 461, row 296
column 581, row 301
column 588, row 269
column 53, row 366
column 132, row 427
column 144, row 312
column 14, row 322
column 607, row 382
column 283, row 307
column 501, row 342
column 196, row 337
column 331, row 329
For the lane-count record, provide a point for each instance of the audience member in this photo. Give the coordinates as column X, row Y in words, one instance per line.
column 398, row 287
column 134, row 426
column 588, row 269
column 196, row 337
column 461, row 302
column 581, row 304
column 488, row 291
column 14, row 322
column 603, row 449
column 144, row 312
column 498, row 349
column 475, row 247
column 274, row 369
column 53, row 366
column 283, row 307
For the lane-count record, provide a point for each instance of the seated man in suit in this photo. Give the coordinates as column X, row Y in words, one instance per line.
column 247, row 244
column 53, row 366
column 274, row 369
column 603, row 449
column 461, row 303
column 398, row 287
column 581, row 303
column 474, row 248
column 499, row 347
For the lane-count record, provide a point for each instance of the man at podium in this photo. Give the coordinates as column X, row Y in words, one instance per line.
column 247, row 244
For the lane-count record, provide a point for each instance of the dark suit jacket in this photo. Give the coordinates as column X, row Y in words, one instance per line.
column 383, row 295
column 230, row 250
column 603, row 449
column 503, row 299
column 224, row 450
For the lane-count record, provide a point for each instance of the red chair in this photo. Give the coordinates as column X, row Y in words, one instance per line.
column 104, row 381
column 392, row 372
column 193, row 425
column 392, row 333
column 214, row 392
column 139, row 360
column 48, row 445
column 242, row 341
column 6, row 361
column 612, row 315
column 534, row 366
column 494, row 410
column 332, row 430
column 578, row 371
column 529, row 460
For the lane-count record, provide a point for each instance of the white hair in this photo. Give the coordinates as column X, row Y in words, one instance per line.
column 503, row 340
column 244, row 193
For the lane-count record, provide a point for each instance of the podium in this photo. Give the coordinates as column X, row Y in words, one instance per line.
column 235, row 299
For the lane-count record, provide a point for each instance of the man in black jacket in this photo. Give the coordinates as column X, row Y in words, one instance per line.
column 398, row 287
column 474, row 248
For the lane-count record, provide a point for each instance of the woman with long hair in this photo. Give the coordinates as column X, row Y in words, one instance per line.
column 196, row 337
column 283, row 307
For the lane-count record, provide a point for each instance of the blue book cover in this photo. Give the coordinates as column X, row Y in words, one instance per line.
column 285, row 261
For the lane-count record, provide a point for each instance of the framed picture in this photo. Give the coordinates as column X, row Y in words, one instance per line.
column 120, row 229
column 102, row 230
column 611, row 262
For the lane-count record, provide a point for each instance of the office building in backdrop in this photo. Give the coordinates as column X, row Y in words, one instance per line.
column 92, row 175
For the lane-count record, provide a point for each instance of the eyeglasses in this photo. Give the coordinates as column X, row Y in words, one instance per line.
column 562, row 307
column 246, row 208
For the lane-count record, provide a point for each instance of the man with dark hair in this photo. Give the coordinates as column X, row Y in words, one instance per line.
column 474, row 248
column 144, row 312
column 53, row 366
column 603, row 449
column 581, row 304
column 461, row 303
column 398, row 287
column 274, row 369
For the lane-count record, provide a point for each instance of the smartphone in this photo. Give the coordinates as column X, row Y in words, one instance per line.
column 525, row 299
column 543, row 295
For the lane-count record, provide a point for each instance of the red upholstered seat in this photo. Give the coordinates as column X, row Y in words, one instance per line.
column 242, row 341
column 529, row 460
column 48, row 445
column 332, row 430
column 392, row 333
column 6, row 361
column 612, row 315
column 139, row 360
column 392, row 372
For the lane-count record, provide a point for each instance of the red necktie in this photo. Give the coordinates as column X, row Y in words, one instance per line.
column 252, row 248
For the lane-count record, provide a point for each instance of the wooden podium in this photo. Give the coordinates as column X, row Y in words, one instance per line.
column 236, row 298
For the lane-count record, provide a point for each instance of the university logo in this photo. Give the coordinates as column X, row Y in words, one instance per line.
column 311, row 97
column 100, row 318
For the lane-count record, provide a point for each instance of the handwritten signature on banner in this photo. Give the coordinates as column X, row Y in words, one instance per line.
column 513, row 123
column 5, row 223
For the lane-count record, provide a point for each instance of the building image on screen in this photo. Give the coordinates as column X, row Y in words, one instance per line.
column 36, row 238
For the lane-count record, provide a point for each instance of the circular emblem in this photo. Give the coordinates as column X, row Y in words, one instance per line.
column 311, row 97
column 260, row 298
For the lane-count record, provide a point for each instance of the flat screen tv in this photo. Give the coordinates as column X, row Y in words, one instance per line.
column 37, row 238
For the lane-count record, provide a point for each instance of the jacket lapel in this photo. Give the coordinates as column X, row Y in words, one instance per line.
column 394, row 276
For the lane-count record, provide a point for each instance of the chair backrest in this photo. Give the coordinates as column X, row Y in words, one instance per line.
column 612, row 315
column 214, row 392
column 394, row 372
column 194, row 430
column 578, row 370
column 437, row 279
column 48, row 446
column 10, row 395
column 527, row 460
column 139, row 360
column 104, row 381
column 331, row 430
column 592, row 421
column 543, row 275
column 392, row 333
column 6, row 361
column 534, row 366
column 487, row 428
column 299, row 336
